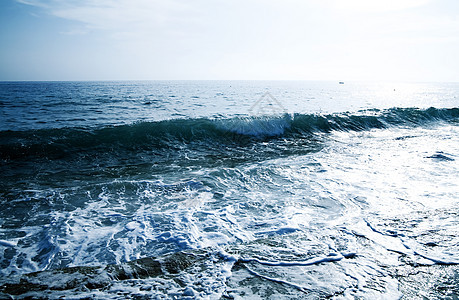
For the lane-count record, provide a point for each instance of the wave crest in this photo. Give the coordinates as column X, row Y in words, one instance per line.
column 169, row 134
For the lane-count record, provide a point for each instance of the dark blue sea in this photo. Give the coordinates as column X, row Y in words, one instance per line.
column 229, row 190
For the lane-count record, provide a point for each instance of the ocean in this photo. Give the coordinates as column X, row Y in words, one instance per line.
column 229, row 190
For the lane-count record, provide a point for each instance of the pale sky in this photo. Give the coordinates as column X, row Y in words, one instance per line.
column 388, row 40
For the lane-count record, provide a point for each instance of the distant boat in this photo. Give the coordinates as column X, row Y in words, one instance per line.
column 341, row 82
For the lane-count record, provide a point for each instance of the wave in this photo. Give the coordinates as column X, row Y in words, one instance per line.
column 106, row 280
column 177, row 133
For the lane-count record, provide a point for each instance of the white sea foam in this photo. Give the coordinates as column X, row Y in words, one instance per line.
column 5, row 243
column 352, row 216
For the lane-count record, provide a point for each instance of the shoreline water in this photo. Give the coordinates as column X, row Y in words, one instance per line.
column 350, row 193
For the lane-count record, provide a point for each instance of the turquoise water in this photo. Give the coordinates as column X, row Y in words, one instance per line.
column 281, row 189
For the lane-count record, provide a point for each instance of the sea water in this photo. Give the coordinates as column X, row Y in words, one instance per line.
column 229, row 190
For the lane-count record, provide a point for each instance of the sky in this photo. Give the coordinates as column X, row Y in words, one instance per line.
column 388, row 40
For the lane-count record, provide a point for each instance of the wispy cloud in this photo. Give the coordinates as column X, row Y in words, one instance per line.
column 261, row 38
column 118, row 15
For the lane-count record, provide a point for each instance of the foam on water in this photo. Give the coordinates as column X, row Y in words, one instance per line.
column 309, row 205
column 331, row 214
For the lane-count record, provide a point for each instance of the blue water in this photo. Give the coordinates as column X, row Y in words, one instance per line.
column 291, row 190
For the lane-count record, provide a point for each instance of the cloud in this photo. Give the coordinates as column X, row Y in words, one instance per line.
column 258, row 38
column 118, row 15
column 33, row 2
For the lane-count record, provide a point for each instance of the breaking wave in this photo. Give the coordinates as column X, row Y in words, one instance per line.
column 60, row 142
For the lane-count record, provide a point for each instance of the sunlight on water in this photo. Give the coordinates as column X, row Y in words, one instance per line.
column 353, row 204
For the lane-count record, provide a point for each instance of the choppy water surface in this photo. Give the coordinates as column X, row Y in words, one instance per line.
column 185, row 190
